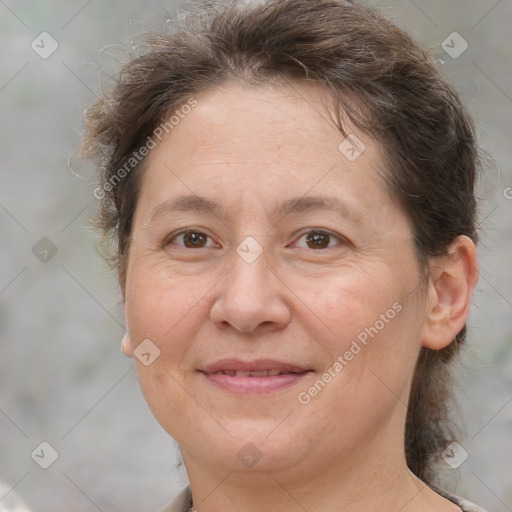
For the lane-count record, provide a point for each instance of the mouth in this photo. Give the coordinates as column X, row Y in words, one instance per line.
column 253, row 377
column 259, row 373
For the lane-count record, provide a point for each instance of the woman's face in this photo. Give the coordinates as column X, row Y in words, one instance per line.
column 289, row 259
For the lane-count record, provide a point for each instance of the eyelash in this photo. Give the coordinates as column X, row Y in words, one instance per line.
column 341, row 239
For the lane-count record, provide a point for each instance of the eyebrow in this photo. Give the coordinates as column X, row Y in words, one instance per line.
column 296, row 205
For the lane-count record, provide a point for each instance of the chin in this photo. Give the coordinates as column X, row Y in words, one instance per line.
column 249, row 446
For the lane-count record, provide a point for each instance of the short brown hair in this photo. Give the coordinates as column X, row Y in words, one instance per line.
column 362, row 59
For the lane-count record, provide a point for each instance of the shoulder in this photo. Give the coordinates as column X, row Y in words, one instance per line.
column 181, row 503
column 10, row 501
column 465, row 505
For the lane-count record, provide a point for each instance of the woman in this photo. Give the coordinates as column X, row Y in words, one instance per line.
column 290, row 185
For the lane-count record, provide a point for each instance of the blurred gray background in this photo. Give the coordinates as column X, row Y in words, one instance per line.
column 62, row 377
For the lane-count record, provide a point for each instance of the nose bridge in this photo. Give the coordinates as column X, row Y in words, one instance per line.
column 248, row 296
column 250, row 254
column 249, row 275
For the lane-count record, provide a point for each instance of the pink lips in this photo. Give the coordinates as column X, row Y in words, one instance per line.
column 259, row 376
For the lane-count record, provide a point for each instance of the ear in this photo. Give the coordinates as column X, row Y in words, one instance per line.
column 126, row 346
column 126, row 343
column 453, row 278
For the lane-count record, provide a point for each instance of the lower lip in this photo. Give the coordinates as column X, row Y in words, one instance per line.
column 254, row 385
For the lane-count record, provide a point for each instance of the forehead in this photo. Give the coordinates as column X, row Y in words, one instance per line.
column 288, row 123
column 262, row 141
column 269, row 115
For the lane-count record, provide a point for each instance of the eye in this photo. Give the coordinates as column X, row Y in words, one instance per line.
column 191, row 239
column 317, row 239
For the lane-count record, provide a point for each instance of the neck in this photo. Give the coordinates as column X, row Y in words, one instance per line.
column 369, row 478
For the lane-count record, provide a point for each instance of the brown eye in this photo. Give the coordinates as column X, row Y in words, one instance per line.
column 319, row 239
column 190, row 239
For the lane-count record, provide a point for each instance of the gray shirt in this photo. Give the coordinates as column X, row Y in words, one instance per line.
column 183, row 502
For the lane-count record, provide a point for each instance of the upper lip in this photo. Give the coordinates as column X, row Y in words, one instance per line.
column 253, row 366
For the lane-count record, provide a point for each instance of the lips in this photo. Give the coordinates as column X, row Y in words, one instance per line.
column 259, row 376
column 259, row 373
column 259, row 365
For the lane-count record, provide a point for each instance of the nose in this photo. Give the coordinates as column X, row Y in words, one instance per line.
column 252, row 298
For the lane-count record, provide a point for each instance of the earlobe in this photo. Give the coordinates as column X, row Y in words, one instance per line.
column 453, row 278
column 126, row 346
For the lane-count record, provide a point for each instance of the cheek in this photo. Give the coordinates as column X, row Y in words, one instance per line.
column 159, row 308
column 372, row 328
column 354, row 299
column 159, row 304
column 167, row 400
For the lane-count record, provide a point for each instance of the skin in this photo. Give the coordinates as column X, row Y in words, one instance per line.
column 249, row 148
